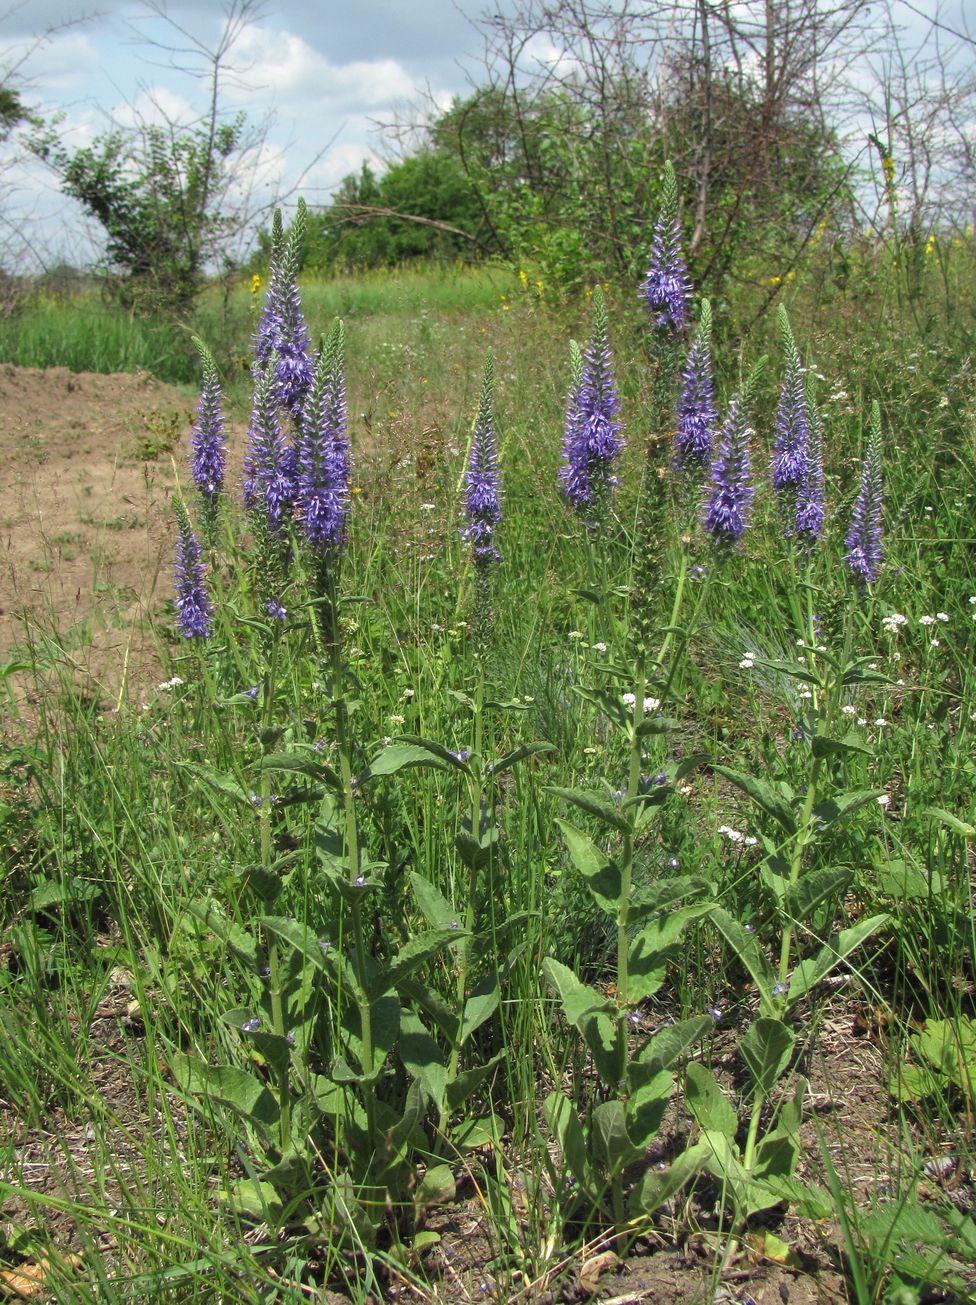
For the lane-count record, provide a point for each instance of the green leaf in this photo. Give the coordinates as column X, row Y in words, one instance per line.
column 579, row 1001
column 646, row 1106
column 602, row 876
column 436, row 909
column 809, row 1200
column 672, row 1043
column 795, row 670
column 302, row 764
column 518, row 754
column 480, row 1006
column 565, row 1127
column 961, row 827
column 657, row 725
column 746, row 947
column 437, row 750
column 238, row 1090
column 816, row 886
column 766, row 1050
column 659, row 1186
column 470, row 1079
column 437, row 1187
column 239, row 941
column 609, row 1141
column 422, row 1058
column 404, row 756
column 319, row 953
column 764, row 795
column 707, row 1102
column 850, row 744
column 832, row 810
column 411, row 956
column 650, row 899
column 217, row 780
column 810, row 972
column 475, row 852
column 593, row 805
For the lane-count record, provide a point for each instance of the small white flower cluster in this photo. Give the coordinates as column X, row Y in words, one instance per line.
column 748, row 661
column 174, row 683
column 737, row 836
column 891, row 623
column 650, row 704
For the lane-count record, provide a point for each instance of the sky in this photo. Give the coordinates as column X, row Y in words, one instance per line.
column 321, row 73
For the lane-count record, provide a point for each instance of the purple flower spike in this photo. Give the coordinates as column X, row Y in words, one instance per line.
column 792, row 419
column 282, row 332
column 727, row 511
column 697, row 413
column 666, row 289
column 323, row 451
column 863, row 540
column 482, row 503
column 810, row 493
column 207, row 435
column 591, row 441
column 268, row 486
column 194, row 614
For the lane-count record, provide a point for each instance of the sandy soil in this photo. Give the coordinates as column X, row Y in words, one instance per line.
column 86, row 533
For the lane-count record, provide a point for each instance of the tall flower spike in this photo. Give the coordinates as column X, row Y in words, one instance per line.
column 194, row 614
column 792, row 420
column 697, row 413
column 323, row 451
column 666, row 290
column 592, row 441
column 482, row 481
column 207, row 435
column 810, row 492
column 268, row 487
column 863, row 542
column 727, row 511
column 281, row 328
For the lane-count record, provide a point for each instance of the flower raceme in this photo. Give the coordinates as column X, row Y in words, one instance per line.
column 592, row 442
column 282, row 333
column 726, row 513
column 666, row 289
column 863, row 542
column 697, row 413
column 482, row 479
column 207, row 435
column 791, row 442
column 194, row 613
column 268, row 469
column 322, row 451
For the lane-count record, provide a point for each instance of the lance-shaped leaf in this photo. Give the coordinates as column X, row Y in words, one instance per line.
column 601, row 875
column 518, row 754
column 849, row 745
column 816, row 886
column 240, row 942
column 593, row 805
column 436, row 749
column 671, row 1044
column 236, row 1089
column 301, row 763
column 318, row 952
column 764, row 795
column 405, row 756
column 480, row 1006
column 422, row 1058
column 707, row 1102
column 609, row 1140
column 470, row 1079
column 766, row 1050
column 746, row 947
column 834, row 809
column 815, row 968
column 411, row 956
column 565, row 1126
column 593, row 1014
column 437, row 910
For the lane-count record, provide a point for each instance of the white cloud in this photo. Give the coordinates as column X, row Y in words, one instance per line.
column 61, row 64
column 287, row 72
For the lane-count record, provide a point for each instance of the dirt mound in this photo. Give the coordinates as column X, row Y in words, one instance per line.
column 85, row 527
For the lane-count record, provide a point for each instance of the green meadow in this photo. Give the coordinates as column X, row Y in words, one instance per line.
column 619, row 945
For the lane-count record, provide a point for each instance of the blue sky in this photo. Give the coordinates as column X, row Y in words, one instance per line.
column 327, row 73
column 327, row 70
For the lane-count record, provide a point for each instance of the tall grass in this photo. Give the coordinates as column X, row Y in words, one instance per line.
column 137, row 863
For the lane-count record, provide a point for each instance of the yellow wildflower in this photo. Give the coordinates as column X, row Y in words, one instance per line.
column 255, row 283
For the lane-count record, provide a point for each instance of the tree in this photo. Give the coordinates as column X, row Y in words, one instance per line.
column 170, row 195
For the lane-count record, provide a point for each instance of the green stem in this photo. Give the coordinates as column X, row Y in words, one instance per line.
column 675, row 606
column 475, row 789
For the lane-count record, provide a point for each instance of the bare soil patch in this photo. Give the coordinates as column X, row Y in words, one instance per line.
column 85, row 529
